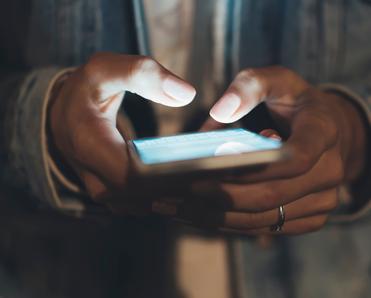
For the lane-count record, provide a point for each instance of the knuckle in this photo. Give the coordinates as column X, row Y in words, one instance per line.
column 95, row 61
column 270, row 198
column 329, row 204
column 97, row 58
column 250, row 76
column 333, row 203
column 254, row 79
column 318, row 222
column 248, row 73
column 146, row 64
column 287, row 73
column 94, row 66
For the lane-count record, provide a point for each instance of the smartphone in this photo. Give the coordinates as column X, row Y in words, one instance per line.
column 204, row 152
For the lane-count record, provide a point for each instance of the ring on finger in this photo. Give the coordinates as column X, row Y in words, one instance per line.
column 281, row 220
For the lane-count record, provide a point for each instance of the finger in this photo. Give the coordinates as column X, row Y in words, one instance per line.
column 327, row 173
column 253, row 86
column 312, row 135
column 96, row 189
column 271, row 133
column 102, row 194
column 117, row 203
column 113, row 73
column 293, row 227
column 311, row 205
column 211, row 124
column 207, row 214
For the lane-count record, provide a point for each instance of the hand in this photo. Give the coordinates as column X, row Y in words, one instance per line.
column 83, row 119
column 327, row 141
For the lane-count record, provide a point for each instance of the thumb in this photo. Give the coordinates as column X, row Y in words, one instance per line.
column 276, row 85
column 114, row 74
column 97, row 145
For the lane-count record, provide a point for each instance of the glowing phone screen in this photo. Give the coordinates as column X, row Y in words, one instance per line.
column 201, row 144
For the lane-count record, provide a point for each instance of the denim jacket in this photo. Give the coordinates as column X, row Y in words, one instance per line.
column 43, row 251
column 327, row 42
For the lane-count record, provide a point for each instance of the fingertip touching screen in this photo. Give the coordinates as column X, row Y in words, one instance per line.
column 201, row 145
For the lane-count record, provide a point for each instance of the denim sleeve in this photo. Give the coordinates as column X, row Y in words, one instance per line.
column 23, row 144
column 359, row 93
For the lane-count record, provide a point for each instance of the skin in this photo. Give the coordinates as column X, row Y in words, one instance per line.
column 83, row 121
column 325, row 136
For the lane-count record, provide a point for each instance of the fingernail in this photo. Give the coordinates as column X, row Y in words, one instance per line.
column 223, row 110
column 178, row 89
column 276, row 137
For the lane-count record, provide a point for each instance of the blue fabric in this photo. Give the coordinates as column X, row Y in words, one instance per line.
column 57, row 35
column 323, row 40
column 44, row 253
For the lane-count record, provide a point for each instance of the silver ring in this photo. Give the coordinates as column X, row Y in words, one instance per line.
column 281, row 220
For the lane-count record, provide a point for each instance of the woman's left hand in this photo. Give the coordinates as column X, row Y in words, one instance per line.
column 326, row 137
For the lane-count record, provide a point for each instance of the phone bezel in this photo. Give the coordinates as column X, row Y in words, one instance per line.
column 206, row 164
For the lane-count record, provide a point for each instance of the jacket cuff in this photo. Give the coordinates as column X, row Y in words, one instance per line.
column 27, row 139
column 72, row 196
column 360, row 191
column 57, row 173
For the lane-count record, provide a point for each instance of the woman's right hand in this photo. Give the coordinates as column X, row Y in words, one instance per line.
column 83, row 119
